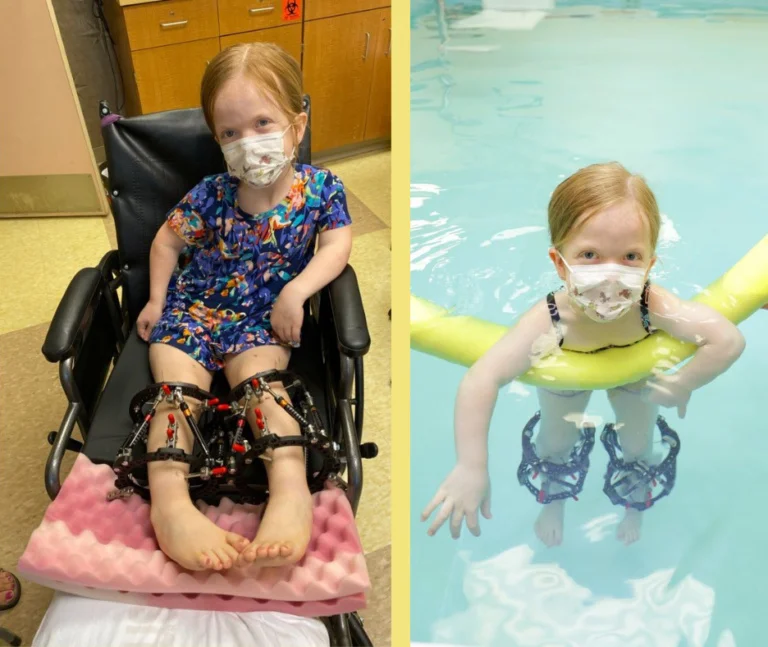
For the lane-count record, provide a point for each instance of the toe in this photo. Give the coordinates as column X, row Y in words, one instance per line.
column 215, row 561
column 238, row 542
column 224, row 559
column 286, row 550
column 262, row 552
column 248, row 555
column 203, row 560
column 231, row 553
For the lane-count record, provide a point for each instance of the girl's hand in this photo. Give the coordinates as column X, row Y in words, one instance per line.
column 669, row 391
column 288, row 315
column 464, row 491
column 148, row 318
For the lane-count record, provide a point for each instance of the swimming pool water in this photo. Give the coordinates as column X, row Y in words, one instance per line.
column 676, row 92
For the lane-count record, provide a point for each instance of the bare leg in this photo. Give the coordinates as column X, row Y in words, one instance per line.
column 559, row 429
column 183, row 532
column 286, row 527
column 635, row 421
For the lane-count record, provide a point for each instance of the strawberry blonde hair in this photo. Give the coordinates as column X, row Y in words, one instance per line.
column 594, row 188
column 270, row 67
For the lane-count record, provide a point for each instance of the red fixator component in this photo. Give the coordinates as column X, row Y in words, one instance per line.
column 259, row 414
column 171, row 418
column 575, row 478
column 223, row 407
column 170, row 432
column 575, row 498
column 218, row 471
column 653, row 482
column 148, row 417
column 212, row 402
column 255, row 384
column 534, row 475
column 240, row 423
column 166, row 389
column 541, row 496
column 240, row 449
column 260, row 424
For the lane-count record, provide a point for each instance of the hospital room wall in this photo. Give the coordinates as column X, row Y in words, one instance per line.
column 46, row 162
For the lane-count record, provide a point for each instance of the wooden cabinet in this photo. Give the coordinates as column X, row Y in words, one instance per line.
column 288, row 37
column 169, row 77
column 346, row 60
column 174, row 21
column 379, row 116
column 236, row 16
column 326, row 8
column 344, row 47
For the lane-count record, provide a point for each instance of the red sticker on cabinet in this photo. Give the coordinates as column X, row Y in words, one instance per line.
column 291, row 9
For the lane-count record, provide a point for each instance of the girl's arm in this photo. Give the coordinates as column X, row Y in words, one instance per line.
column 333, row 249
column 720, row 343
column 467, row 488
column 163, row 256
column 508, row 359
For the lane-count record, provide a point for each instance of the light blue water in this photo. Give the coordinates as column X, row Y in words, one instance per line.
column 679, row 94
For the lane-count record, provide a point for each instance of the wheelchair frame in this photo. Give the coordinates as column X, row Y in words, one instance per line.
column 91, row 325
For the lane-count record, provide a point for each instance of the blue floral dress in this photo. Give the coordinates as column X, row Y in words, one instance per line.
column 235, row 264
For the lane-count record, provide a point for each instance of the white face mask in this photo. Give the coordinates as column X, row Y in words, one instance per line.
column 257, row 160
column 606, row 291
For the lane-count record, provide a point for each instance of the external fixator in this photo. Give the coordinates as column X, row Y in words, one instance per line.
column 558, row 480
column 639, row 484
column 226, row 454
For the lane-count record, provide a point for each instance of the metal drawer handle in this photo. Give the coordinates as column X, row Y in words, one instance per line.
column 254, row 11
column 178, row 23
column 367, row 44
column 389, row 44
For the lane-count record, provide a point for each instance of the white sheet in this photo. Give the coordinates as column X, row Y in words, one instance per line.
column 74, row 620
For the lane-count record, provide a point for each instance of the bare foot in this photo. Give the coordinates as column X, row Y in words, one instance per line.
column 628, row 531
column 549, row 525
column 193, row 541
column 284, row 532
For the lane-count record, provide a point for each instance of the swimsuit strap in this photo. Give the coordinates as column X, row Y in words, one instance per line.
column 554, row 314
column 644, row 314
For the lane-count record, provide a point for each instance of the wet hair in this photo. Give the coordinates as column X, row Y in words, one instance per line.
column 593, row 189
column 270, row 67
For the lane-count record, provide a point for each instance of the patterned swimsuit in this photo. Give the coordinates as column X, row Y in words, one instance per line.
column 554, row 314
column 235, row 264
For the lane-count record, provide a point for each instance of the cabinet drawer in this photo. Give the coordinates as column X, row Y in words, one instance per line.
column 314, row 9
column 236, row 16
column 288, row 37
column 170, row 21
column 169, row 77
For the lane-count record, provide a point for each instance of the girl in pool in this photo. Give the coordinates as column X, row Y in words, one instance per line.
column 234, row 300
column 604, row 224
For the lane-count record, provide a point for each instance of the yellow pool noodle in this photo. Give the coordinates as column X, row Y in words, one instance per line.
column 463, row 340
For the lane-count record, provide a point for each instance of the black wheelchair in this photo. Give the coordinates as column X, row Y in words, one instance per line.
column 152, row 161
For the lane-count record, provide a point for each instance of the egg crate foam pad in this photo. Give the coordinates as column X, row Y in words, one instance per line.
column 107, row 550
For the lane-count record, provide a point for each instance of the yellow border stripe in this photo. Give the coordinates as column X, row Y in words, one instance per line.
column 401, row 128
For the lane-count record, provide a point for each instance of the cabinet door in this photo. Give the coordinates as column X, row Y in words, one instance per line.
column 288, row 37
column 338, row 67
column 315, row 9
column 380, row 105
column 169, row 77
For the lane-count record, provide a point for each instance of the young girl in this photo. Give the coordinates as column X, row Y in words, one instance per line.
column 234, row 300
column 604, row 224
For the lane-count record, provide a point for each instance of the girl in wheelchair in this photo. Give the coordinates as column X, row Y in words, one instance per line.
column 230, row 271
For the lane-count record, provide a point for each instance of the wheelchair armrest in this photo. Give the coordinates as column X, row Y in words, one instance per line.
column 74, row 314
column 348, row 314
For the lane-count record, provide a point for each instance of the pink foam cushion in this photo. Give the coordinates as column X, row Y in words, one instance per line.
column 107, row 549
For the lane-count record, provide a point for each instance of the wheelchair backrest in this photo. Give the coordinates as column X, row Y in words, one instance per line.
column 153, row 161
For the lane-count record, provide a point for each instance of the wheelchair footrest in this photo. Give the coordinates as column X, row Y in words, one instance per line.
column 104, row 549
